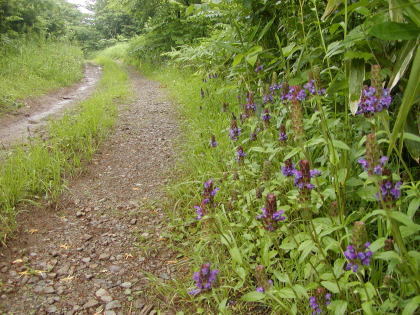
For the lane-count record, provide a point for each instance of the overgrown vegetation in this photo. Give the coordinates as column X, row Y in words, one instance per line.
column 300, row 165
column 39, row 170
column 33, row 67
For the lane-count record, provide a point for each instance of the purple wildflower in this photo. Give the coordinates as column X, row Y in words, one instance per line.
column 318, row 301
column 260, row 289
column 200, row 211
column 268, row 98
column 270, row 215
column 234, row 131
column 373, row 100
column 240, row 154
column 275, row 87
column 213, row 142
column 304, row 175
column 259, row 68
column 310, row 86
column 356, row 256
column 282, row 134
column 204, row 279
column 288, row 169
column 376, row 169
column 266, row 116
column 390, row 191
column 209, row 192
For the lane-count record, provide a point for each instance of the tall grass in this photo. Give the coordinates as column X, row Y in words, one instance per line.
column 33, row 67
column 38, row 171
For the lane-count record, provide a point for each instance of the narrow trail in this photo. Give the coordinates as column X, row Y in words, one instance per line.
column 90, row 255
column 23, row 123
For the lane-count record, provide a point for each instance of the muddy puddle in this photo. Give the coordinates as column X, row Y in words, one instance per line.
column 18, row 126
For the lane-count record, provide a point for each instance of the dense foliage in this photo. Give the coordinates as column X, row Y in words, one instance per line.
column 304, row 144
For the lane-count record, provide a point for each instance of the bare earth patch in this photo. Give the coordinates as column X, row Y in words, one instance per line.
column 21, row 124
column 89, row 255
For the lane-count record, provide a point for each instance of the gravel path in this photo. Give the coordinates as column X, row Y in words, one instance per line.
column 89, row 255
column 18, row 125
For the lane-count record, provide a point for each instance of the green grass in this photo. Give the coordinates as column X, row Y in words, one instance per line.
column 117, row 51
column 33, row 67
column 39, row 170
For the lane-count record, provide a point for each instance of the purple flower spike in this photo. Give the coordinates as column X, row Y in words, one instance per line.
column 204, row 279
column 288, row 169
column 357, row 256
column 270, row 216
column 373, row 101
column 240, row 154
column 260, row 289
column 200, row 212
column 213, row 142
column 259, row 68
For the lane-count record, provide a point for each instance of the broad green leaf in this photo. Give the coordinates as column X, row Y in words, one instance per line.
column 402, row 62
column 411, row 138
column 355, row 82
column 412, row 306
column 338, row 307
column 367, row 193
column 413, row 207
column 411, row 94
column 286, row 293
column 341, row 145
column 237, row 60
column 395, row 31
column 330, row 286
column 236, row 255
column 332, row 5
column 411, row 8
column 253, row 296
column 366, row 56
column 388, row 256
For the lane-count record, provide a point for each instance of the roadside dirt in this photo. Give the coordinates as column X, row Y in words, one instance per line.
column 17, row 126
column 93, row 253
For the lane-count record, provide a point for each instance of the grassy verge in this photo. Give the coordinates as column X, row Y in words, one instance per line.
column 33, row 67
column 38, row 171
column 273, row 263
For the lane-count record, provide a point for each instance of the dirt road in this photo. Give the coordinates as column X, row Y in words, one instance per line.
column 90, row 256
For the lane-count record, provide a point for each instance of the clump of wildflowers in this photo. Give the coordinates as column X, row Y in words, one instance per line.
column 319, row 301
column 204, row 279
column 296, row 93
column 270, row 216
column 264, row 284
column 240, row 154
column 358, row 253
column 282, row 134
column 234, row 131
column 213, row 142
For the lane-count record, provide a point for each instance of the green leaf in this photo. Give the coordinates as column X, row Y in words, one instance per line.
column 341, row 145
column 332, row 5
column 395, row 31
column 402, row 62
column 349, row 55
column 355, row 81
column 286, row 293
column 367, row 193
column 237, row 60
column 388, row 256
column 252, row 54
column 413, row 207
column 338, row 307
column 411, row 306
column 330, row 286
column 253, row 296
column 236, row 255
